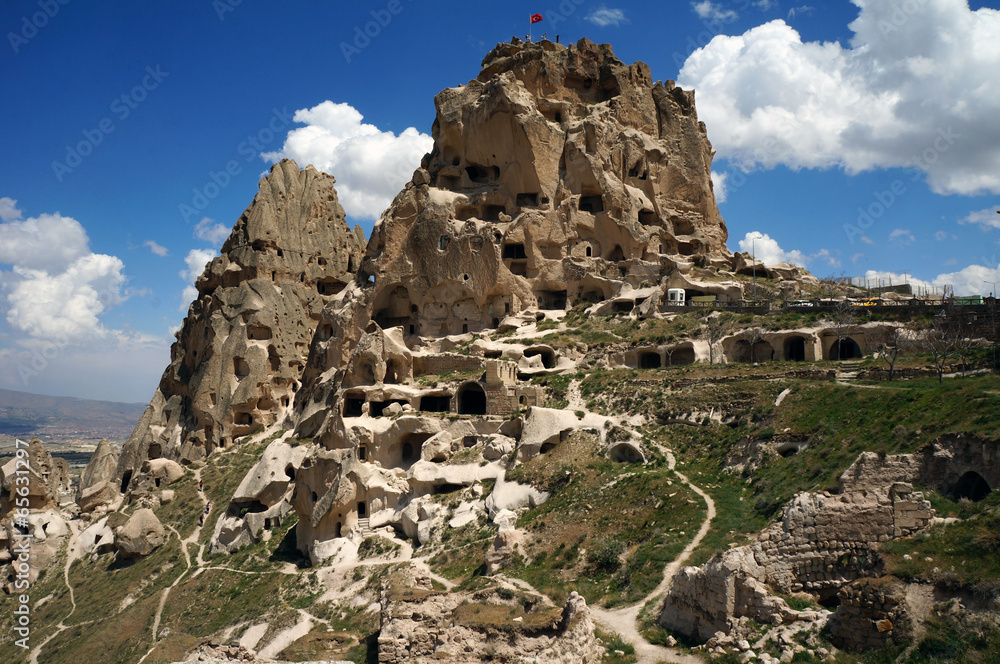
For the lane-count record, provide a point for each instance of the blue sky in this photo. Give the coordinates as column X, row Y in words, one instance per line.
column 853, row 137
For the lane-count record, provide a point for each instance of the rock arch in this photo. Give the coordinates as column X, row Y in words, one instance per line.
column 471, row 399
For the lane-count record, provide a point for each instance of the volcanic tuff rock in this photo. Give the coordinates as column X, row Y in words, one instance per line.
column 558, row 175
column 97, row 482
column 240, row 352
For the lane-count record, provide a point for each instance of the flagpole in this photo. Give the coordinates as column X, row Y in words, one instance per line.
column 530, row 23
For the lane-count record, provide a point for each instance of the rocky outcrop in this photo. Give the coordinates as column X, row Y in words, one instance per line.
column 98, row 486
column 559, row 175
column 140, row 536
column 872, row 614
column 239, row 355
column 822, row 543
column 421, row 626
column 262, row 500
column 42, row 478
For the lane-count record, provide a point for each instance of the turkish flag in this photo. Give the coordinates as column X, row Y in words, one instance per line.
column 536, row 18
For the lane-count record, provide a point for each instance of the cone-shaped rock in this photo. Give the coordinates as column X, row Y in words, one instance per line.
column 241, row 350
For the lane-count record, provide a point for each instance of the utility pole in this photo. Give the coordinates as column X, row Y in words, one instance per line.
column 754, row 246
column 993, row 293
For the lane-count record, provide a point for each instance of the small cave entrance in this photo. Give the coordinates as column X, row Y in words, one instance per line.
column 126, row 479
column 527, row 200
column 831, row 601
column 548, row 357
column 154, row 452
column 338, row 529
column 353, row 404
column 625, row 453
column 514, row 251
column 362, row 510
column 290, row 473
column 845, row 349
column 448, row 488
column 329, row 286
column 681, row 356
column 483, row 174
column 592, row 204
column 412, row 447
column 377, row 408
column 971, row 485
column 258, row 333
column 471, row 400
column 625, row 307
column 617, row 254
column 552, row 300
column 650, row 360
column 435, row 403
column 795, row 349
column 648, row 217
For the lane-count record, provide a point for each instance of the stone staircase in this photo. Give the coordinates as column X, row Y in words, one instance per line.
column 365, row 526
column 848, row 370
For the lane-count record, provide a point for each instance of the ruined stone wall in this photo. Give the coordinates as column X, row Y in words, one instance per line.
column 872, row 614
column 445, row 362
column 822, row 543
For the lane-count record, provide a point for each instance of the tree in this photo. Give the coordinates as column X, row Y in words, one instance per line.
column 889, row 342
column 716, row 327
column 939, row 341
column 755, row 337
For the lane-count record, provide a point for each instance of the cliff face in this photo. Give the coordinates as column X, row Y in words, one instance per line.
column 242, row 347
column 558, row 175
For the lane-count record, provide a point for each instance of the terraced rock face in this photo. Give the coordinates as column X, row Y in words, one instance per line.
column 241, row 350
column 558, row 175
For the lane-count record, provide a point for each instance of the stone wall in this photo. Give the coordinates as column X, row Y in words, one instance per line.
column 822, row 543
column 872, row 614
column 445, row 362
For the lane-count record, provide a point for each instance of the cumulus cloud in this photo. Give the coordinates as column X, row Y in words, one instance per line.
column 8, row 209
column 987, row 218
column 370, row 165
column 195, row 263
column 211, row 231
column 713, row 11
column 604, row 17
column 48, row 242
column 902, row 236
column 918, row 87
column 157, row 249
column 970, row 280
column 766, row 249
column 719, row 186
column 766, row 5
column 56, row 287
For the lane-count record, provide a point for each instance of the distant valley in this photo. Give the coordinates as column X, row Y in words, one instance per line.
column 65, row 419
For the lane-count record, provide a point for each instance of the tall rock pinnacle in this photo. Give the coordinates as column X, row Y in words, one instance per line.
column 240, row 352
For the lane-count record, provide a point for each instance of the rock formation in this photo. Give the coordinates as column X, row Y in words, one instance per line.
column 241, row 350
column 47, row 477
column 98, row 486
column 420, row 625
column 140, row 535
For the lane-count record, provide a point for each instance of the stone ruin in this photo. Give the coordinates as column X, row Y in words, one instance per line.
column 420, row 625
column 827, row 545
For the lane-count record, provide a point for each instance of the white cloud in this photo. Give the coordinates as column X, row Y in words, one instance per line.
column 719, row 186
column 8, row 209
column 56, row 288
column 370, row 165
column 940, row 236
column 603, row 17
column 856, row 257
column 970, row 280
column 766, row 249
column 712, row 11
column 211, row 231
column 67, row 305
column 48, row 242
column 802, row 9
column 157, row 249
column 987, row 218
column 766, row 5
column 196, row 260
column 918, row 90
column 902, row 235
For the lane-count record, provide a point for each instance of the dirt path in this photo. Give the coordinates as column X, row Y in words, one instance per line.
column 74, row 551
column 624, row 620
column 184, row 541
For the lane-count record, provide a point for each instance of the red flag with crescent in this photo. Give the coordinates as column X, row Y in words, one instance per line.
column 536, row 18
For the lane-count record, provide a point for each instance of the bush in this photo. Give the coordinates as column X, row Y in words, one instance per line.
column 605, row 554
